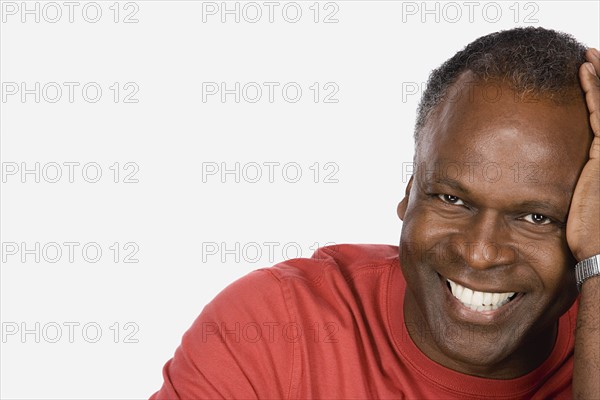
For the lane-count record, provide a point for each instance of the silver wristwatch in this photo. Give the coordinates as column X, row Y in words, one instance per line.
column 586, row 269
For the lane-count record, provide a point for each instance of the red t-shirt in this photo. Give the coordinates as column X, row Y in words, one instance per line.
column 332, row 326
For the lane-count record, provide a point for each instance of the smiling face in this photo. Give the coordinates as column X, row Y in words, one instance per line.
column 483, row 246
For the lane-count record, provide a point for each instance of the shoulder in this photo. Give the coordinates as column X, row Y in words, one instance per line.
column 333, row 284
column 262, row 287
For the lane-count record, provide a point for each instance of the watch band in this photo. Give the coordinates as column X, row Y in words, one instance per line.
column 586, row 269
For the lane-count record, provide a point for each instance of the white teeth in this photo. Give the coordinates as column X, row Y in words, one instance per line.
column 479, row 301
column 458, row 291
column 487, row 298
column 466, row 295
column 477, row 298
column 495, row 298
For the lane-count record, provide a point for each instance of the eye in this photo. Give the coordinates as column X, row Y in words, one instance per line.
column 448, row 198
column 537, row 219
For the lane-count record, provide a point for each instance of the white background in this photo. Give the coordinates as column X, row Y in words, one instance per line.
column 176, row 221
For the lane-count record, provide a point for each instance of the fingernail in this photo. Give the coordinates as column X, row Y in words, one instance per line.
column 590, row 67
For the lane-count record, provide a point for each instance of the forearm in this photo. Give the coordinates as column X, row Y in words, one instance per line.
column 586, row 369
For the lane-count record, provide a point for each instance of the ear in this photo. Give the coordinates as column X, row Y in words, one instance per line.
column 401, row 210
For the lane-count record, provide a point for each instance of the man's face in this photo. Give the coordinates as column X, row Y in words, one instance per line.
column 483, row 246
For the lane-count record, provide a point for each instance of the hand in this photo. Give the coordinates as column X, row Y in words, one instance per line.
column 583, row 224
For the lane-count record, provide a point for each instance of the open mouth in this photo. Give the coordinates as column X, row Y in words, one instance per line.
column 479, row 301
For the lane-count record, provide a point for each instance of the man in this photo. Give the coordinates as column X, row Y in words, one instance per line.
column 480, row 300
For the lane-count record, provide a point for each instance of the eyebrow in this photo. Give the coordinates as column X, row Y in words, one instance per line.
column 452, row 183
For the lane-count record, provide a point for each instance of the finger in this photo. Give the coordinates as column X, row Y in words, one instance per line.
column 593, row 56
column 590, row 83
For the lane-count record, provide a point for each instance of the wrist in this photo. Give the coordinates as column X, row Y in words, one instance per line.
column 586, row 269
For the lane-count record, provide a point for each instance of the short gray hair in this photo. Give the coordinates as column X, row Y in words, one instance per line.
column 532, row 61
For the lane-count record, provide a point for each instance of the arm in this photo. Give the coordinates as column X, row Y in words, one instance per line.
column 586, row 370
column 583, row 236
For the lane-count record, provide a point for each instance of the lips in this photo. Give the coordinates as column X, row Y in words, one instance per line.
column 479, row 301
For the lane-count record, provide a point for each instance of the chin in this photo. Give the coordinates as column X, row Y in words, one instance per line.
column 472, row 349
column 475, row 344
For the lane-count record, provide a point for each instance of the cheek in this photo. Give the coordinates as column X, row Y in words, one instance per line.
column 550, row 269
column 419, row 220
column 416, row 233
column 418, row 249
column 555, row 266
column 423, row 228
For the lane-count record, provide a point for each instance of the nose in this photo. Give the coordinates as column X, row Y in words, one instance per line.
column 485, row 242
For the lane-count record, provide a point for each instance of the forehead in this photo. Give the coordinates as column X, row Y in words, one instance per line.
column 481, row 124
